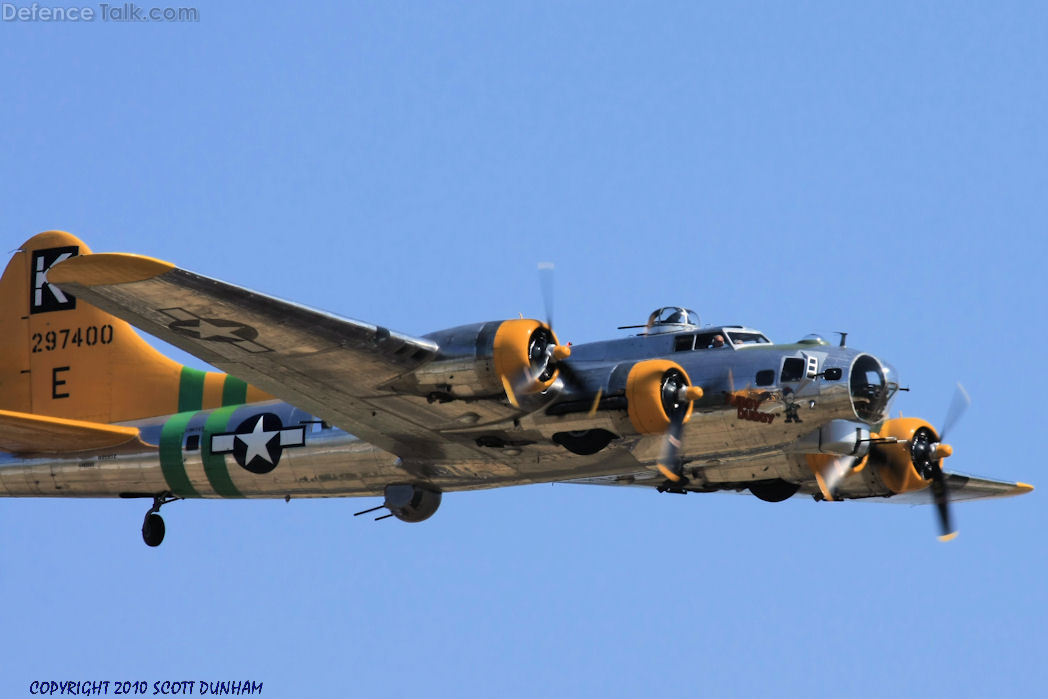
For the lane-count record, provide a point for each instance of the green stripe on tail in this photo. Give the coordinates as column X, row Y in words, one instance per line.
column 234, row 391
column 191, row 389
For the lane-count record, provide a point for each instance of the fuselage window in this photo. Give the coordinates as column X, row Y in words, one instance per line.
column 792, row 369
column 766, row 377
column 192, row 442
column 683, row 343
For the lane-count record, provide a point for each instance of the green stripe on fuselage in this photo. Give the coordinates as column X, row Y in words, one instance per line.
column 234, row 391
column 171, row 462
column 215, row 464
column 191, row 389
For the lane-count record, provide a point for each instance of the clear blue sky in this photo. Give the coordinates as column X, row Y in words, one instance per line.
column 796, row 167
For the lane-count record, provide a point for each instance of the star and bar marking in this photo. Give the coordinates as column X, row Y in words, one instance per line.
column 258, row 442
column 234, row 332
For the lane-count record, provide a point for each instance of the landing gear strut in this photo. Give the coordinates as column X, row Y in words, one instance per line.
column 153, row 526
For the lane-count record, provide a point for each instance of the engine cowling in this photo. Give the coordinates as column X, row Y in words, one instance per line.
column 653, row 395
column 519, row 349
column 904, row 465
column 482, row 359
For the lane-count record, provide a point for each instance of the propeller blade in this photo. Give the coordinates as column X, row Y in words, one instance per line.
column 942, row 504
column 511, row 395
column 596, row 403
column 669, row 463
column 830, row 475
column 546, row 281
column 570, row 376
column 960, row 403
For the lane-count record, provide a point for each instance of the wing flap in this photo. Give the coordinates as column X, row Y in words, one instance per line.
column 333, row 367
column 29, row 435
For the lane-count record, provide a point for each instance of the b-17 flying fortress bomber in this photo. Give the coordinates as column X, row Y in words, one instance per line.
column 316, row 405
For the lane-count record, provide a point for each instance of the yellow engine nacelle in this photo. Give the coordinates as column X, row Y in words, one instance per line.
column 652, row 392
column 519, row 356
column 514, row 353
column 895, row 462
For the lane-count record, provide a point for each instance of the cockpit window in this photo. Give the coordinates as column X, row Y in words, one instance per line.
column 745, row 338
column 683, row 343
column 709, row 341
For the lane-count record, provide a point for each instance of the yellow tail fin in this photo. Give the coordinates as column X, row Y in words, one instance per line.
column 62, row 357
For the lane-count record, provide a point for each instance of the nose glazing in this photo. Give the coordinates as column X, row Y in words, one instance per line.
column 871, row 386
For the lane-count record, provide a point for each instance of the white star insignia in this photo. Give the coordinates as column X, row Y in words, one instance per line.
column 209, row 331
column 257, row 442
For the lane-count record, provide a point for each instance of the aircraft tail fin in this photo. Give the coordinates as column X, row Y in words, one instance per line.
column 64, row 358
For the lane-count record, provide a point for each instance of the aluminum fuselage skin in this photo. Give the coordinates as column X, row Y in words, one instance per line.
column 725, row 443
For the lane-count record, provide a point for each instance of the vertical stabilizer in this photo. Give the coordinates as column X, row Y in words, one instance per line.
column 62, row 357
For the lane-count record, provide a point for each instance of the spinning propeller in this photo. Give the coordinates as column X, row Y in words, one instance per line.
column 925, row 449
column 545, row 354
column 927, row 458
column 677, row 397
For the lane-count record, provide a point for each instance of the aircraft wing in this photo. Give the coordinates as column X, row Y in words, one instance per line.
column 322, row 363
column 961, row 487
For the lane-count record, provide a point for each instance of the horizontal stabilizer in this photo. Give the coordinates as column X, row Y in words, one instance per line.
column 26, row 434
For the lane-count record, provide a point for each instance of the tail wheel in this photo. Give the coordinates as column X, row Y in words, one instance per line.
column 153, row 529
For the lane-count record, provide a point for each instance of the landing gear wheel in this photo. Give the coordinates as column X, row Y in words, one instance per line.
column 153, row 525
column 153, row 529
